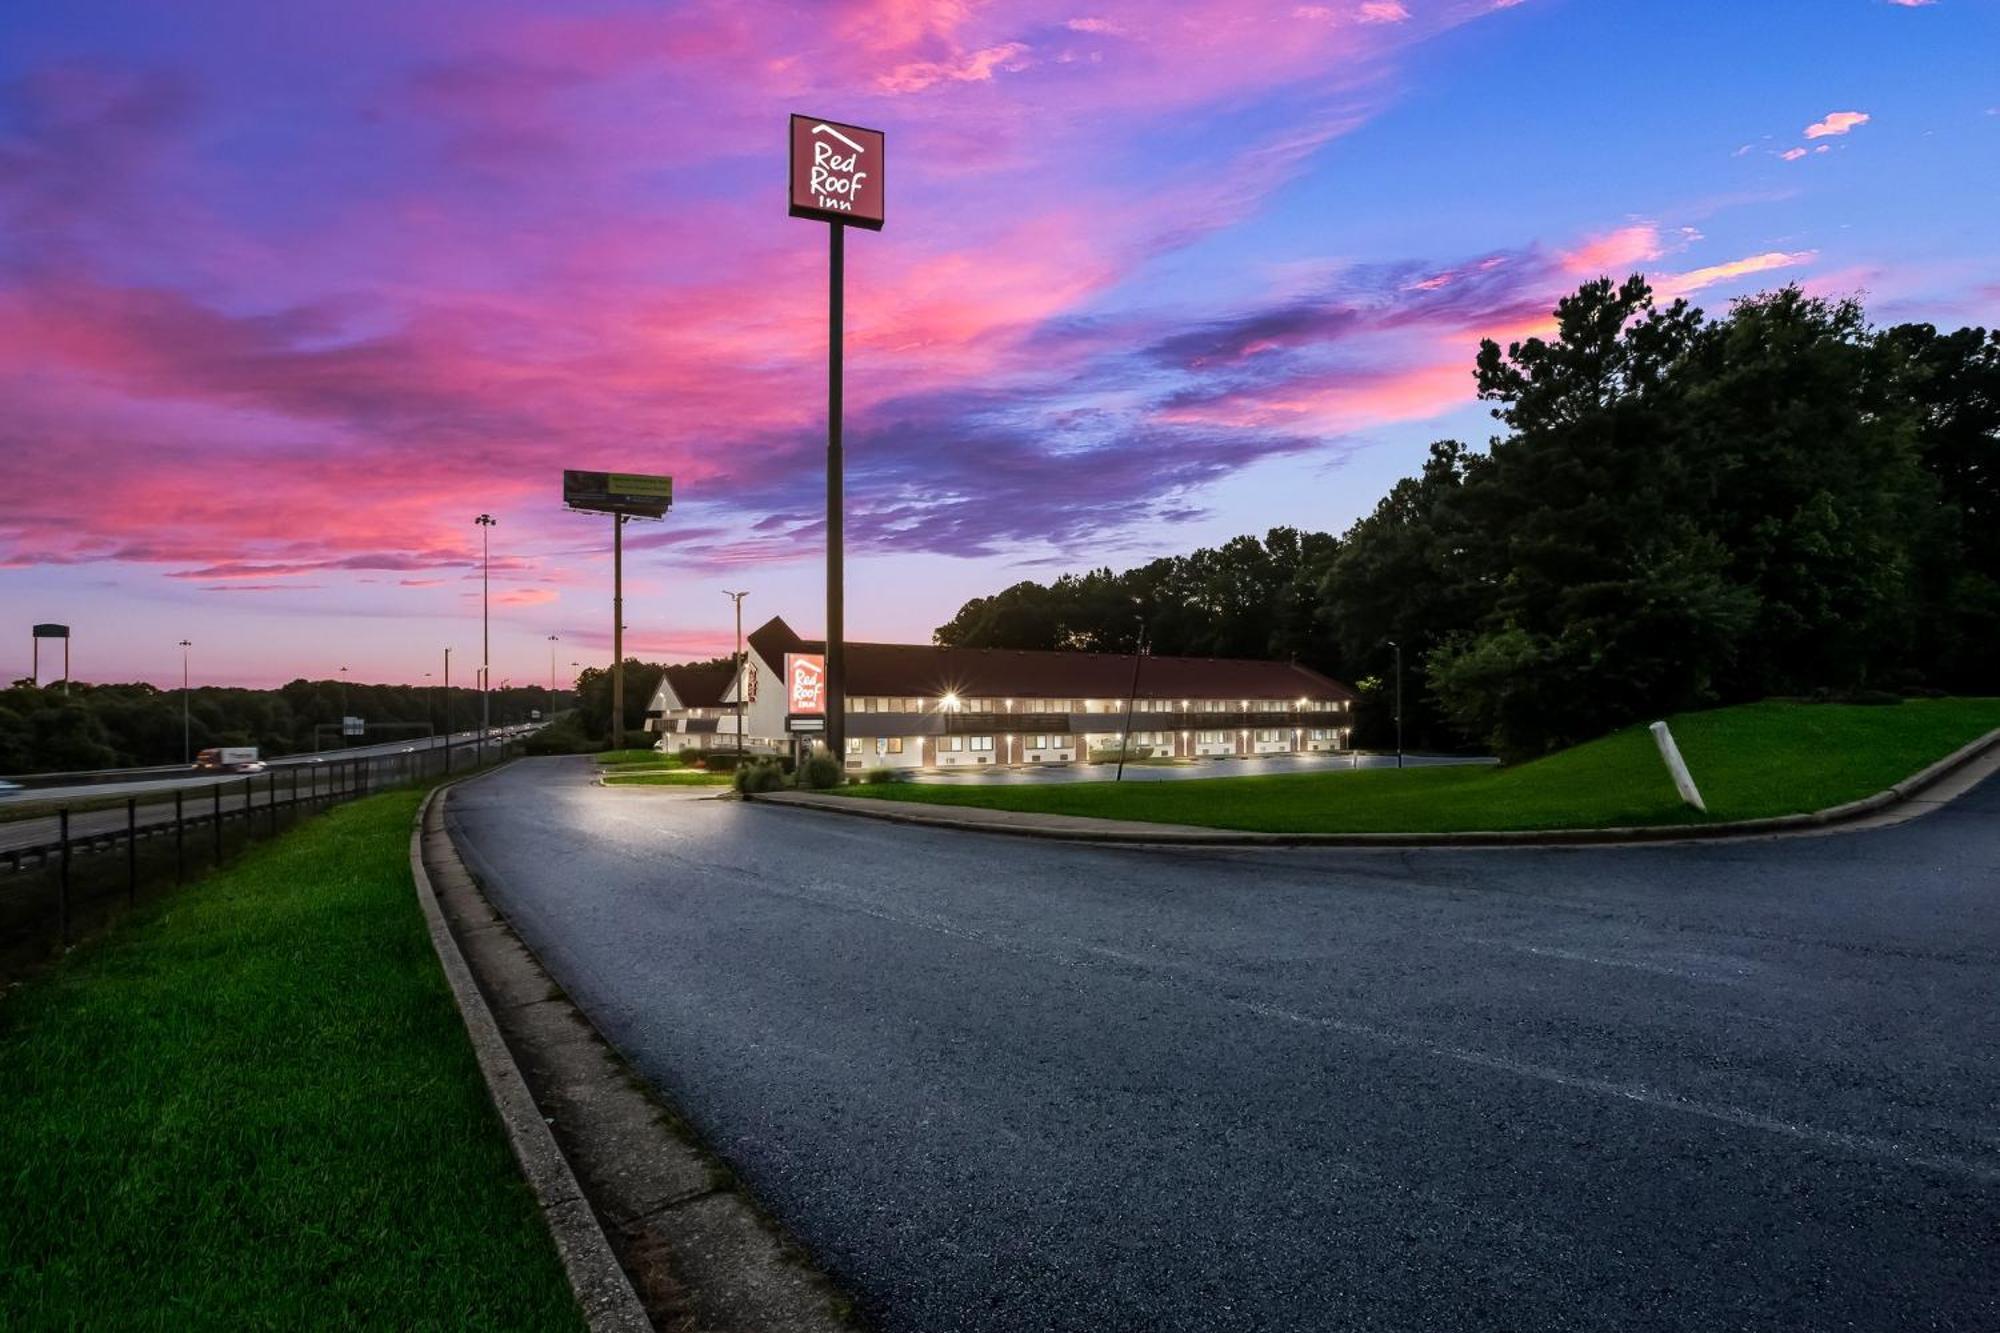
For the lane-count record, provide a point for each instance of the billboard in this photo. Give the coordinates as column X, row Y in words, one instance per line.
column 618, row 492
column 836, row 172
column 805, row 683
column 52, row 631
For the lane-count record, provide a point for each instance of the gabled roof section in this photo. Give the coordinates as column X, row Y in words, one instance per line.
column 699, row 684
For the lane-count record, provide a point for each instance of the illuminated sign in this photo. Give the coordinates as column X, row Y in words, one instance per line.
column 618, row 492
column 836, row 173
column 805, row 683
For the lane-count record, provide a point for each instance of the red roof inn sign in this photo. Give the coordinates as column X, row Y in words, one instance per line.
column 836, row 173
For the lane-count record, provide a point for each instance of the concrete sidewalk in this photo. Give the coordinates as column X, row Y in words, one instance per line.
column 1940, row 783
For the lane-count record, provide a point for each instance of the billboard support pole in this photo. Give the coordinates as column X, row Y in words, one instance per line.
column 618, row 631
column 836, row 655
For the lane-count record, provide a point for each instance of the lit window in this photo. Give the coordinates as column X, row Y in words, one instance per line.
column 982, row 742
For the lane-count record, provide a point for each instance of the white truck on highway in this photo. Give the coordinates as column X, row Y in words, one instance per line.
column 229, row 759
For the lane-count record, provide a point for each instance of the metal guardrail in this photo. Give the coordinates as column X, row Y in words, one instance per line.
column 179, row 832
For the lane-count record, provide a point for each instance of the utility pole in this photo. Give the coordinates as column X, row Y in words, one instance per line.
column 187, row 751
column 737, row 597
column 485, row 522
column 553, row 641
column 617, row 631
column 447, row 710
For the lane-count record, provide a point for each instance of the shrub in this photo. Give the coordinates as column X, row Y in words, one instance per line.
column 759, row 775
column 820, row 770
column 882, row 776
column 719, row 763
column 565, row 735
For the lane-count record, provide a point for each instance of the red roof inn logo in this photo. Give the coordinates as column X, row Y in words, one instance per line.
column 836, row 173
column 805, row 683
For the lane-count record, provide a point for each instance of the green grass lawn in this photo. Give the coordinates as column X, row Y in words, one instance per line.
column 681, row 777
column 1751, row 761
column 253, row 1105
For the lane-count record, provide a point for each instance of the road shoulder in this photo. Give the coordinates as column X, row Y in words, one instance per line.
column 635, row 1201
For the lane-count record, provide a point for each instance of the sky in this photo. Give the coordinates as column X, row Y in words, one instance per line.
column 289, row 293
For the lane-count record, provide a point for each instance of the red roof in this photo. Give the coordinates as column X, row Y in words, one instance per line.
column 913, row 670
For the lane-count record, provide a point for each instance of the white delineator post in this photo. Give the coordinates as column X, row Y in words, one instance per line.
column 1671, row 753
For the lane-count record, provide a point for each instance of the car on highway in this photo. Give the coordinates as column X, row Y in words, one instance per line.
column 229, row 759
column 9, row 788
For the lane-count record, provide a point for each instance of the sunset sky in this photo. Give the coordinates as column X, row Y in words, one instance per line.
column 290, row 292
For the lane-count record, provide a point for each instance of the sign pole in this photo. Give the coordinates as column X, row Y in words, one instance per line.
column 618, row 631
column 836, row 656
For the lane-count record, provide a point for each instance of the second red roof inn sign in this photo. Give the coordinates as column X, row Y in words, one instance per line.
column 837, row 178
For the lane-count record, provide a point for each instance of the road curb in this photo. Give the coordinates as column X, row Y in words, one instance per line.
column 1830, row 820
column 603, row 1292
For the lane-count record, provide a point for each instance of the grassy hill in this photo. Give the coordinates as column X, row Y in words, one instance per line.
column 1750, row 761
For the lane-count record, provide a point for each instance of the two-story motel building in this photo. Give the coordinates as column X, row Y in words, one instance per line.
column 921, row 706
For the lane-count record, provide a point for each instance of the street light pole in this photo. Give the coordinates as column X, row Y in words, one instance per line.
column 187, row 751
column 447, row 710
column 737, row 597
column 485, row 522
column 553, row 641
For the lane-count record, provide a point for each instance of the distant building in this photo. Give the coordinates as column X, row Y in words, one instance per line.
column 921, row 706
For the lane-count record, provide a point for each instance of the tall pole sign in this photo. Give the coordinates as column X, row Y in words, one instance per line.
column 625, row 496
column 836, row 178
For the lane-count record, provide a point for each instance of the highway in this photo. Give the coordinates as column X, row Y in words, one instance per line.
column 992, row 1083
column 23, row 826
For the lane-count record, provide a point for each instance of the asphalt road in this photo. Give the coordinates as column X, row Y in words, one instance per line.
column 999, row 1084
column 1258, row 766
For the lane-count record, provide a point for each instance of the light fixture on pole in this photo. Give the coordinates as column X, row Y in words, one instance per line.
column 187, row 751
column 737, row 597
column 553, row 641
column 485, row 522
column 1125, row 741
column 1397, row 645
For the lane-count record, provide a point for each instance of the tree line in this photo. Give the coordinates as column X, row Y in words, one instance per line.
column 53, row 728
column 1679, row 511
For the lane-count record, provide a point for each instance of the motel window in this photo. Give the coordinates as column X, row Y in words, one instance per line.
column 1268, row 736
column 982, row 742
column 854, row 745
column 895, row 745
column 952, row 744
column 1212, row 737
column 1038, row 742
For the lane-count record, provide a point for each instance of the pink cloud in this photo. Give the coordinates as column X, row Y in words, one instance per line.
column 1838, row 122
column 1680, row 284
column 1615, row 252
column 1793, row 154
column 1382, row 11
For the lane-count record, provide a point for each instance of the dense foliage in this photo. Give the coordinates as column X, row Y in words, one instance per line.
column 593, row 695
column 83, row 726
column 1683, row 511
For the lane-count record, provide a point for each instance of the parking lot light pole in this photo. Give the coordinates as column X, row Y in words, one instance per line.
column 554, row 639
column 187, row 752
column 485, row 522
column 737, row 597
column 1397, row 645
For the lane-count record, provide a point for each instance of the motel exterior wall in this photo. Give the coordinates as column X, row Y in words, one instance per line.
column 911, row 731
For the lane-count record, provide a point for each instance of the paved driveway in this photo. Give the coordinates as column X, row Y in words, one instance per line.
column 994, row 1083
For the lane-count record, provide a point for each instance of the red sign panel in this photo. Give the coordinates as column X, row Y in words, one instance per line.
column 836, row 173
column 805, row 683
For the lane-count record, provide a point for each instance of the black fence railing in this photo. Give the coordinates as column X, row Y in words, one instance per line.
column 65, row 865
